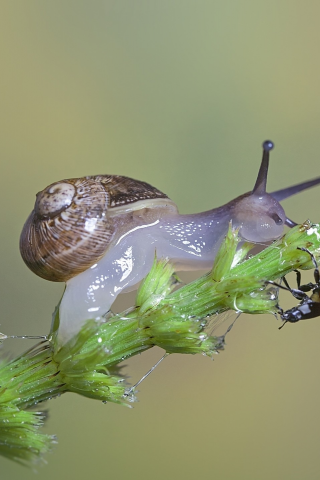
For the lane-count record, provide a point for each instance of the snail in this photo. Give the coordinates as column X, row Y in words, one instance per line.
column 99, row 234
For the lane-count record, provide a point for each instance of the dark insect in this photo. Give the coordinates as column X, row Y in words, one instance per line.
column 309, row 307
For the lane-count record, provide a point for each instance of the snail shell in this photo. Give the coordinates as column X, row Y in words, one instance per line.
column 74, row 221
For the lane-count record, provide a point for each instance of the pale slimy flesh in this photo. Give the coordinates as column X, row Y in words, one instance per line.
column 189, row 241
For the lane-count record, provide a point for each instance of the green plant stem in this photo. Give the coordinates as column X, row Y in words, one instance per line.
column 176, row 320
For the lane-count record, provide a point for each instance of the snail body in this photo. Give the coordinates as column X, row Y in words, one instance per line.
column 99, row 234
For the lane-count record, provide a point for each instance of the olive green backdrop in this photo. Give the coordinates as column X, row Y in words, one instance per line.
column 180, row 94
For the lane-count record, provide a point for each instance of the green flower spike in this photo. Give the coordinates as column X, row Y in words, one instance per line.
column 179, row 321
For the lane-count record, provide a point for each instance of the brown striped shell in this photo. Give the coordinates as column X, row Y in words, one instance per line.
column 74, row 221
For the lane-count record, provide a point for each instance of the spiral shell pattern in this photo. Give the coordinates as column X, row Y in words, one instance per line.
column 74, row 220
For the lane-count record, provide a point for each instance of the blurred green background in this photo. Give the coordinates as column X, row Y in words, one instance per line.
column 180, row 94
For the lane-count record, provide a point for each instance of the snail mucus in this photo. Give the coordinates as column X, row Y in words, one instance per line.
column 99, row 234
